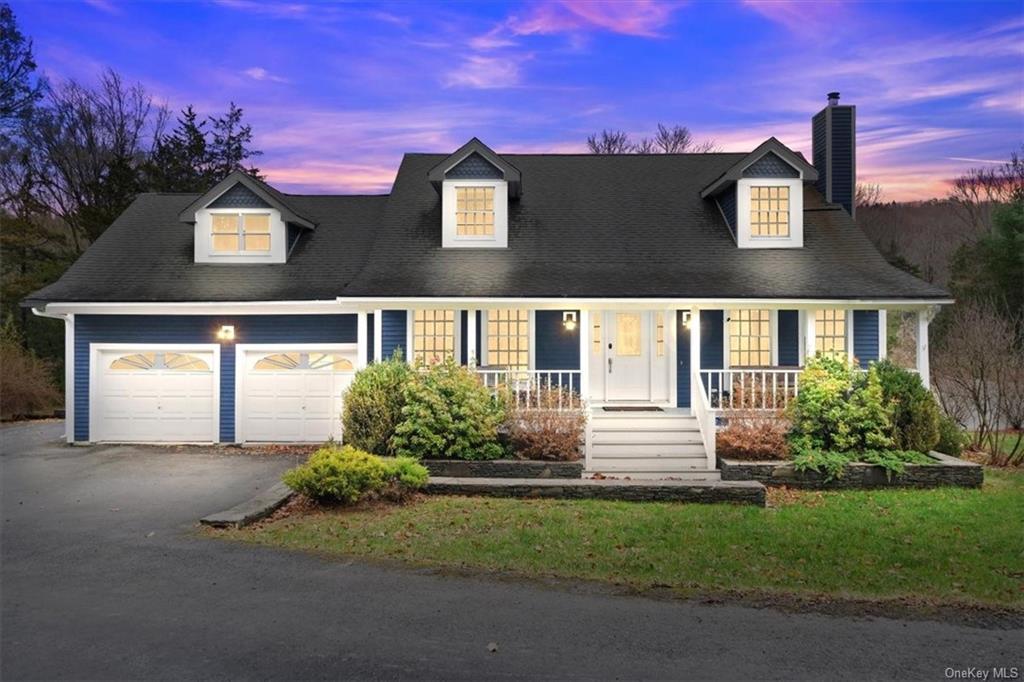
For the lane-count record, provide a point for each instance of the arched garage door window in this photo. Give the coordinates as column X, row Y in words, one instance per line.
column 277, row 362
column 144, row 362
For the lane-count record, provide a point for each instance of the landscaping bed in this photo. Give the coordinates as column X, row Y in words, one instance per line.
column 945, row 471
column 502, row 468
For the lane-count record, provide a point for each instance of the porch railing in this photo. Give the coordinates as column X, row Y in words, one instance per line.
column 750, row 389
column 706, row 421
column 540, row 389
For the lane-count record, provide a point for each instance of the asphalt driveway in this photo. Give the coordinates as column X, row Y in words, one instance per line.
column 104, row 576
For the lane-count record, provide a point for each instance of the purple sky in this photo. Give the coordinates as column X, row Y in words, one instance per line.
column 336, row 93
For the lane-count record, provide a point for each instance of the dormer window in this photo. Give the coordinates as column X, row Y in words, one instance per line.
column 474, row 211
column 234, row 233
column 769, row 211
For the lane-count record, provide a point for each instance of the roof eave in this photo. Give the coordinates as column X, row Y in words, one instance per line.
column 260, row 189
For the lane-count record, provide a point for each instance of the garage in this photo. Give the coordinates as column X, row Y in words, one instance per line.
column 292, row 394
column 147, row 394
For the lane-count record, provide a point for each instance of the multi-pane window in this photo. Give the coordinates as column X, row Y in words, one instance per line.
column 474, row 211
column 143, row 362
column 595, row 336
column 769, row 211
column 627, row 334
column 433, row 335
column 236, row 232
column 750, row 338
column 508, row 338
column 830, row 332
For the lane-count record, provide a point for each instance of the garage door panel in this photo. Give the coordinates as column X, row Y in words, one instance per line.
column 149, row 396
column 292, row 395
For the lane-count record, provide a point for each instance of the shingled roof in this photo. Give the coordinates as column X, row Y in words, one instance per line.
column 623, row 226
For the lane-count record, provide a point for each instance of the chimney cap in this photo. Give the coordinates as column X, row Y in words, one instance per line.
column 833, row 97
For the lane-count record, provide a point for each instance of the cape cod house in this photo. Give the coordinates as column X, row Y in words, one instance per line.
column 664, row 282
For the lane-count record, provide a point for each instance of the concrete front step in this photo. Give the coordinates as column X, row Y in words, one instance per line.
column 610, row 464
column 643, row 423
column 605, row 436
column 658, row 475
column 737, row 492
column 632, row 449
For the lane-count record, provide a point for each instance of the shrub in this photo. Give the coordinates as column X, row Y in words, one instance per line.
column 347, row 475
column 753, row 435
column 833, row 464
column 915, row 413
column 839, row 409
column 373, row 405
column 448, row 413
column 546, row 432
column 952, row 439
column 26, row 381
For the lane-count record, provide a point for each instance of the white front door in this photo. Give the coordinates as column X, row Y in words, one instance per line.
column 294, row 395
column 627, row 356
column 157, row 394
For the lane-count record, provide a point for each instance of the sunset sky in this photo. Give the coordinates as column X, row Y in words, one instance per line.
column 336, row 93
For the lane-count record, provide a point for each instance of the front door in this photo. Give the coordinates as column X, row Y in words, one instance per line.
column 627, row 356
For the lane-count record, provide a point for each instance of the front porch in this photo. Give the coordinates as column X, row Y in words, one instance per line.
column 686, row 363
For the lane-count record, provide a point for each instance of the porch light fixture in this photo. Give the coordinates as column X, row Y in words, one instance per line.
column 569, row 320
column 687, row 318
column 226, row 333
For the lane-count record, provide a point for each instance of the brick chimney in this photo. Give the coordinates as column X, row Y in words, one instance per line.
column 834, row 152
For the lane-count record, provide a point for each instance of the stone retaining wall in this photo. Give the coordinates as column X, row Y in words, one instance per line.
column 503, row 468
column 946, row 471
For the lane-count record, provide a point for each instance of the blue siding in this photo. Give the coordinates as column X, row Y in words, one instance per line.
column 683, row 362
column 789, row 338
column 464, row 337
column 392, row 333
column 727, row 201
column 865, row 336
column 712, row 328
column 770, row 166
column 556, row 347
column 158, row 329
column 843, row 181
column 476, row 167
column 370, row 339
column 238, row 196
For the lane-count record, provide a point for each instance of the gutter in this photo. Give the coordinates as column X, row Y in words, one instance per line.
column 69, row 368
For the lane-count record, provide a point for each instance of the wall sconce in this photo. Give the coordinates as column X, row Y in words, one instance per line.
column 687, row 318
column 226, row 333
column 569, row 320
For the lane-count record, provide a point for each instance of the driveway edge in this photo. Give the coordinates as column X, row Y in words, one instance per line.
column 252, row 510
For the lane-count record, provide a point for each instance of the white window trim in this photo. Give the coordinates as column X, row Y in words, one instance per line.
column 204, row 252
column 410, row 317
column 773, row 334
column 241, row 353
column 240, row 233
column 94, row 355
column 485, row 340
column 744, row 238
column 449, row 232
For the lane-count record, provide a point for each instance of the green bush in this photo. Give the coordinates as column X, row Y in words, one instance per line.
column 915, row 413
column 833, row 464
column 838, row 409
column 448, row 414
column 347, row 475
column 373, row 405
column 952, row 439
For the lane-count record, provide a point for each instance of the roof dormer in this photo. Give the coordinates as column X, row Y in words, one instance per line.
column 475, row 186
column 243, row 220
column 762, row 197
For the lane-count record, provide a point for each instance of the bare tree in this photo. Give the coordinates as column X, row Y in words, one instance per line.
column 674, row 140
column 975, row 192
column 868, row 195
column 977, row 370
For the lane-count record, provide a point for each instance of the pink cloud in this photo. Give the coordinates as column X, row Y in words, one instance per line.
column 484, row 73
column 343, row 178
column 643, row 18
column 798, row 16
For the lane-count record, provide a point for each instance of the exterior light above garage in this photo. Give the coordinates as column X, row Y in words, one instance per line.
column 569, row 320
column 226, row 333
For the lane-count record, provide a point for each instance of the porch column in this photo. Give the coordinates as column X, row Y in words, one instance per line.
column 362, row 339
column 472, row 352
column 924, row 318
column 584, row 323
column 378, row 336
column 695, row 386
column 883, row 334
column 810, row 334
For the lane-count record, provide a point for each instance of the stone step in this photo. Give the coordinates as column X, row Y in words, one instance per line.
column 634, row 449
column 609, row 464
column 687, row 475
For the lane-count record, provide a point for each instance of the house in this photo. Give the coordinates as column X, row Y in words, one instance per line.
column 667, row 284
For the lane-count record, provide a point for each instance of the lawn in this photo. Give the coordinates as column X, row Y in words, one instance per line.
column 936, row 546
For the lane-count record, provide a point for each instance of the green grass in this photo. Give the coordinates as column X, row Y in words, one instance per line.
column 944, row 545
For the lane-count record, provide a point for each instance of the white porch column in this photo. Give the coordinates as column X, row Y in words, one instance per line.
column 883, row 334
column 695, row 386
column 584, row 327
column 924, row 318
column 810, row 334
column 378, row 330
column 472, row 352
column 362, row 339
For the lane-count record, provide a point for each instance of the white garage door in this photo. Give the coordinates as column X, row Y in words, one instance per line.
column 152, row 395
column 290, row 395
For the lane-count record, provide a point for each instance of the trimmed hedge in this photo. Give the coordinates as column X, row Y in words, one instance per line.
column 346, row 475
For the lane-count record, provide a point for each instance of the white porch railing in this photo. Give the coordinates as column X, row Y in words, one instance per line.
column 706, row 421
column 751, row 389
column 556, row 389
